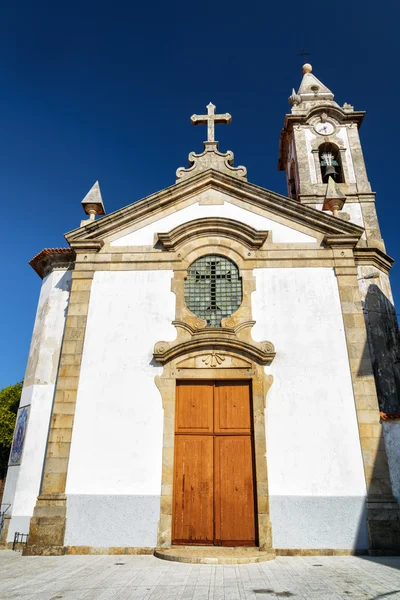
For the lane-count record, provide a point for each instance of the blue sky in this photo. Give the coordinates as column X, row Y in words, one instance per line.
column 105, row 90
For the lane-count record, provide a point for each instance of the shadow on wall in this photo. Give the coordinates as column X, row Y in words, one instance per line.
column 382, row 460
column 64, row 284
column 384, row 345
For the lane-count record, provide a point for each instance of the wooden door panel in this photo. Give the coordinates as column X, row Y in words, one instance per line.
column 232, row 411
column 193, row 490
column 213, row 492
column 194, row 408
column 234, row 491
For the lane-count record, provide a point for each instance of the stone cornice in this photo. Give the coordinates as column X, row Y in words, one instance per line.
column 224, row 339
column 374, row 257
column 52, row 258
column 211, row 227
column 247, row 192
column 334, row 111
column 86, row 245
column 301, row 119
column 341, row 241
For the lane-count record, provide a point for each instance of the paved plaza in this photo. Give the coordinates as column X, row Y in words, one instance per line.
column 147, row 577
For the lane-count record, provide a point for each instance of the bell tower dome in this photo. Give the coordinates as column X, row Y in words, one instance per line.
column 320, row 142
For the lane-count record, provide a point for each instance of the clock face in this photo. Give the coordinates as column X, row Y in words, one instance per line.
column 324, row 128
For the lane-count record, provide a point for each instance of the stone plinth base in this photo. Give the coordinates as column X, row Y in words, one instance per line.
column 320, row 552
column 112, row 550
column 43, row 550
column 47, row 527
column 212, row 555
column 383, row 517
column 4, row 532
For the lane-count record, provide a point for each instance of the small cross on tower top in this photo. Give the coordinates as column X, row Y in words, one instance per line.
column 210, row 119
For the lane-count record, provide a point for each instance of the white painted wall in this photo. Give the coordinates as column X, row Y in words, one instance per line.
column 114, row 475
column 316, row 479
column 23, row 482
column 309, row 137
column 315, row 471
column 342, row 135
column 353, row 209
column 145, row 235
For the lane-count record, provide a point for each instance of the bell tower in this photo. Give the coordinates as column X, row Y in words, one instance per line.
column 320, row 145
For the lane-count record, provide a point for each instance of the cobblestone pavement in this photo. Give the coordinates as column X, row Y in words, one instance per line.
column 147, row 577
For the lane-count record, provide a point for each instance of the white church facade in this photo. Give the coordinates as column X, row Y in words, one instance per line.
column 216, row 364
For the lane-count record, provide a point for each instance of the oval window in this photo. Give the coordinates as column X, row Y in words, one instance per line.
column 213, row 288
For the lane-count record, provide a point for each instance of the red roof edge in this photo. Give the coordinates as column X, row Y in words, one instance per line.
column 50, row 258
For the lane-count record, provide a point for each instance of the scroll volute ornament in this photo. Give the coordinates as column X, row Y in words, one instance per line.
column 216, row 341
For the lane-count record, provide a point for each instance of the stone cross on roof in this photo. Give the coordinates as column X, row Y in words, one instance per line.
column 210, row 119
column 211, row 157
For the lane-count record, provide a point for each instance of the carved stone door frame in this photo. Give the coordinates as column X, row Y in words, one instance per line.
column 223, row 353
column 261, row 383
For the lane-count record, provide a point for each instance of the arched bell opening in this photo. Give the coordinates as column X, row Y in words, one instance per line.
column 330, row 162
column 292, row 188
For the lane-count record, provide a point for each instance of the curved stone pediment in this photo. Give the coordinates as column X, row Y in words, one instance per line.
column 214, row 343
column 212, row 227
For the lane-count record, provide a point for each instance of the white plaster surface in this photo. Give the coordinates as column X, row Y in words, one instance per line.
column 145, row 235
column 315, row 471
column 342, row 135
column 38, row 391
column 9, row 489
column 353, row 209
column 309, row 137
column 391, row 434
column 112, row 520
column 116, row 450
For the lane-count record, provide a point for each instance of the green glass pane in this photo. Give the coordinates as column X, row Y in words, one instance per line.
column 213, row 289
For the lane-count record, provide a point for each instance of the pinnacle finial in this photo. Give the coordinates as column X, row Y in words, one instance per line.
column 294, row 98
column 334, row 197
column 307, row 68
column 93, row 203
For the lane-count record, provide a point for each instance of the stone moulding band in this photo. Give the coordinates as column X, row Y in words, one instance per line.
column 211, row 227
column 87, row 245
column 341, row 240
column 373, row 257
column 220, row 182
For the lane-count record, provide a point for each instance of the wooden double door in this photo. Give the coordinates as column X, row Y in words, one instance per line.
column 213, row 496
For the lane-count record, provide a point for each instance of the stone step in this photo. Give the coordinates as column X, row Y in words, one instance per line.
column 215, row 555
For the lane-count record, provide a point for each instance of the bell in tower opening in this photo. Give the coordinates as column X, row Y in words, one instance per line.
column 329, row 160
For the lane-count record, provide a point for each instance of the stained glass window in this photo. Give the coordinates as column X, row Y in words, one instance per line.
column 213, row 288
